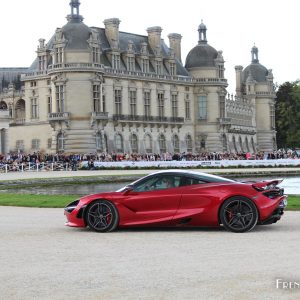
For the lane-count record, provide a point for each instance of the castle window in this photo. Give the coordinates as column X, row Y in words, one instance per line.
column 172, row 69
column 174, row 106
column 161, row 105
column 221, row 71
column 202, row 107
column 99, row 145
column 130, row 63
column 116, row 61
column 3, row 105
column 42, row 62
column 132, row 100
column 35, row 144
column 148, row 143
column 222, row 107
column 118, row 102
column 58, row 52
column 158, row 67
column 272, row 116
column 60, row 142
column 20, row 111
column 162, row 143
column 96, row 55
column 187, row 109
column 176, row 144
column 96, row 97
column 60, row 100
column 119, row 143
column 20, row 145
column 247, row 145
column 49, row 143
column 134, row 143
column 145, row 65
column 147, row 104
column 49, row 104
column 189, row 143
column 34, row 108
column 241, row 144
column 103, row 103
column 234, row 144
column 224, row 141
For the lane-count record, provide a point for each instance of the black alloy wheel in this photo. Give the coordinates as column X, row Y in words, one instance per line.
column 102, row 216
column 238, row 214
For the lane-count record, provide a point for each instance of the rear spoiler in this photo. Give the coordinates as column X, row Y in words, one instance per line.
column 266, row 185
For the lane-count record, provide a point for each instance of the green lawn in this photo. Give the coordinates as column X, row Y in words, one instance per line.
column 62, row 200
column 293, row 202
column 36, row 200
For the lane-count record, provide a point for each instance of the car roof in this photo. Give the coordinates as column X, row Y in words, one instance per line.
column 189, row 172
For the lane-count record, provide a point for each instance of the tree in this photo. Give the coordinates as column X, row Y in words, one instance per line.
column 287, row 109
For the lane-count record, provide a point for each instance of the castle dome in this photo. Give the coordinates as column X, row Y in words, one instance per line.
column 203, row 55
column 75, row 32
column 255, row 69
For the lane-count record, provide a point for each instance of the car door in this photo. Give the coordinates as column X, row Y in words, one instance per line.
column 152, row 201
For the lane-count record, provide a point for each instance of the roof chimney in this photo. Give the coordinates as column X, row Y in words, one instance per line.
column 154, row 36
column 112, row 32
column 175, row 44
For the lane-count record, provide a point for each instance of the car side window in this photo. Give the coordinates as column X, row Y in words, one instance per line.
column 190, row 181
column 158, row 183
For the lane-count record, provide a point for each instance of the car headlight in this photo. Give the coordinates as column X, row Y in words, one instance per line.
column 71, row 206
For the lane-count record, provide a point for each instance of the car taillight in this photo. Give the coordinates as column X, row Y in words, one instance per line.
column 274, row 193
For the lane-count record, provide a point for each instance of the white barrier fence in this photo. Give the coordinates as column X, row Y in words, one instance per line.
column 61, row 166
column 196, row 164
column 33, row 167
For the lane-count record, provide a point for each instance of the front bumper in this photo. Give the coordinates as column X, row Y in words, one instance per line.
column 74, row 214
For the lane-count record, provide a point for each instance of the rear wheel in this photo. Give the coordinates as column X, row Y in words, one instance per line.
column 102, row 216
column 238, row 214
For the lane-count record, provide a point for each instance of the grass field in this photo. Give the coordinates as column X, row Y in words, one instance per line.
column 57, row 201
column 28, row 200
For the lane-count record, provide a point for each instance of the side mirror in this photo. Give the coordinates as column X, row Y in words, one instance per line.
column 128, row 190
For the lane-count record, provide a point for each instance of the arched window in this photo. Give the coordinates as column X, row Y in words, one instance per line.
column 234, row 144
column 105, row 143
column 241, row 144
column 176, row 143
column 253, row 145
column 60, row 142
column 99, row 145
column 148, row 143
column 20, row 111
column 119, row 143
column 162, row 144
column 203, row 143
column 189, row 144
column 247, row 145
column 134, row 143
column 3, row 105
column 224, row 141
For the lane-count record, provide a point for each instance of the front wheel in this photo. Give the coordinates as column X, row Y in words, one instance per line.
column 238, row 214
column 102, row 216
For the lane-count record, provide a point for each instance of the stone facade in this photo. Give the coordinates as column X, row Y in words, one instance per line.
column 96, row 89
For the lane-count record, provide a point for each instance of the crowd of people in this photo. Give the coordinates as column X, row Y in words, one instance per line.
column 74, row 160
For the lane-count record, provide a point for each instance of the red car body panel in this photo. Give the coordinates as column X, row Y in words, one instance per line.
column 193, row 205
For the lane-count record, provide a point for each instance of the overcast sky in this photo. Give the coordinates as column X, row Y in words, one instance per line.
column 233, row 26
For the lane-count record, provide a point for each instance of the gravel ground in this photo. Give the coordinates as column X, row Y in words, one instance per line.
column 42, row 259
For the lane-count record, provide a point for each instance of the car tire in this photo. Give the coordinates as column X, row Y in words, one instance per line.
column 238, row 214
column 102, row 216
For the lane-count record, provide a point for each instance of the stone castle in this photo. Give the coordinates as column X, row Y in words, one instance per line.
column 94, row 89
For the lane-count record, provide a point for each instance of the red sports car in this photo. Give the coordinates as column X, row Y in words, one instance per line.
column 181, row 198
